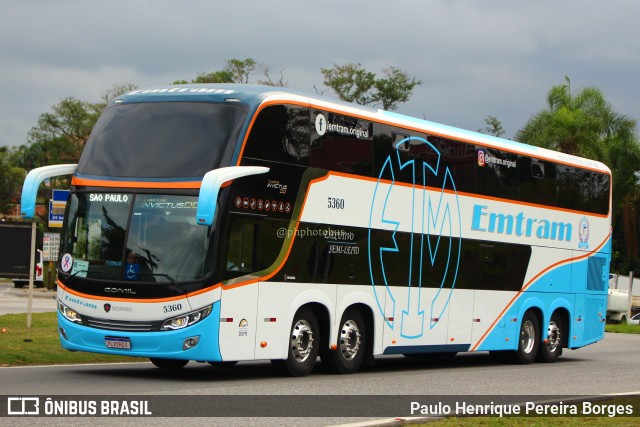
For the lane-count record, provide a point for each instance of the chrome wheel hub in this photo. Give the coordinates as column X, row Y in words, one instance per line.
column 527, row 337
column 553, row 336
column 301, row 340
column 349, row 339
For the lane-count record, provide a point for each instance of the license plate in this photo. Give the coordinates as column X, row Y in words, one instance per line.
column 118, row 342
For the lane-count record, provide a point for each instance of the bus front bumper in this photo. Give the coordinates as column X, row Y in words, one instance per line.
column 195, row 342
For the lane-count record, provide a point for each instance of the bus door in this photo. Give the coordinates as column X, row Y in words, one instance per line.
column 239, row 300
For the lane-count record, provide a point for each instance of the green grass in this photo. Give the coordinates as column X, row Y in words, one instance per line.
column 622, row 328
column 40, row 344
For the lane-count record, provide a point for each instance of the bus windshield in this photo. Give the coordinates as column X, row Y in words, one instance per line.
column 134, row 237
column 161, row 139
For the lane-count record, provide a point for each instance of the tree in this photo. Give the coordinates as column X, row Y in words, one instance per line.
column 352, row 83
column 585, row 124
column 213, row 77
column 395, row 88
column 494, row 127
column 237, row 71
column 241, row 70
column 11, row 178
column 61, row 134
column 115, row 91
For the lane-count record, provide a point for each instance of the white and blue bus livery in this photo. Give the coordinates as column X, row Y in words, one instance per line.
column 222, row 223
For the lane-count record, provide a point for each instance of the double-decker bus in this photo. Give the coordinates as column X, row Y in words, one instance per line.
column 221, row 223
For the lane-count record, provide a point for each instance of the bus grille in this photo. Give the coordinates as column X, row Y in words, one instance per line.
column 121, row 325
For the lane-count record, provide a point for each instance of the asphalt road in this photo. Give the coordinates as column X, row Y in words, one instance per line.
column 610, row 366
column 14, row 300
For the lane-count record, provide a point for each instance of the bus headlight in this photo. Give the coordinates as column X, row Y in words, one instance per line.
column 185, row 320
column 69, row 313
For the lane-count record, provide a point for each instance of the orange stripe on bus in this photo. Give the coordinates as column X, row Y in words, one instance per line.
column 133, row 184
column 151, row 300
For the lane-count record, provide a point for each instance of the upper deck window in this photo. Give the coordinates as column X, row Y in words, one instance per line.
column 162, row 139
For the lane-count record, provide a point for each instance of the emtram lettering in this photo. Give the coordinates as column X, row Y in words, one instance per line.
column 519, row 225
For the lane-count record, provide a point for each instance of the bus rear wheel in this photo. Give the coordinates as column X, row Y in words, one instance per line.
column 529, row 339
column 169, row 364
column 352, row 340
column 551, row 349
column 304, row 343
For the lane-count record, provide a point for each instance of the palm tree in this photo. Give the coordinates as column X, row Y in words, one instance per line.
column 585, row 124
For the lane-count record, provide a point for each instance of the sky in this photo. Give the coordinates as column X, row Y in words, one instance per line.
column 475, row 58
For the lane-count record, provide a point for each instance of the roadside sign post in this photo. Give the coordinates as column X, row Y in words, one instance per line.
column 32, row 269
column 630, row 302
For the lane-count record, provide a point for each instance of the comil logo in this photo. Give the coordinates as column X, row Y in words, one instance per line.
column 481, row 160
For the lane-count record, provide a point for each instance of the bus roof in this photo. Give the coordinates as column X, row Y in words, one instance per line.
column 256, row 95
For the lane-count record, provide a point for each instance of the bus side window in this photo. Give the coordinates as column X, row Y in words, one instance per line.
column 497, row 174
column 280, row 134
column 537, row 181
column 241, row 253
column 349, row 150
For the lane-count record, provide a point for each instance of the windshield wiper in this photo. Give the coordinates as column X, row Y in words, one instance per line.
column 72, row 277
column 166, row 276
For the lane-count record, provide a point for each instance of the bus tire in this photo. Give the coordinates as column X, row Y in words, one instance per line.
column 352, row 345
column 551, row 349
column 528, row 339
column 168, row 364
column 304, row 343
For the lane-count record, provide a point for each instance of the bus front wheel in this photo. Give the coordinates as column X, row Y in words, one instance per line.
column 352, row 339
column 304, row 343
column 169, row 364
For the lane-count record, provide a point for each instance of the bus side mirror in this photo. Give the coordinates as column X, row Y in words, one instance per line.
column 211, row 184
column 32, row 182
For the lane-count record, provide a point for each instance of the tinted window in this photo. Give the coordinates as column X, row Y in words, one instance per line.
column 252, row 245
column 459, row 158
column 496, row 173
column 342, row 144
column 583, row 190
column 537, row 180
column 280, row 134
column 161, row 140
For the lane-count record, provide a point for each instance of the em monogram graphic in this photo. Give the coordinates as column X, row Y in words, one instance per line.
column 424, row 236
